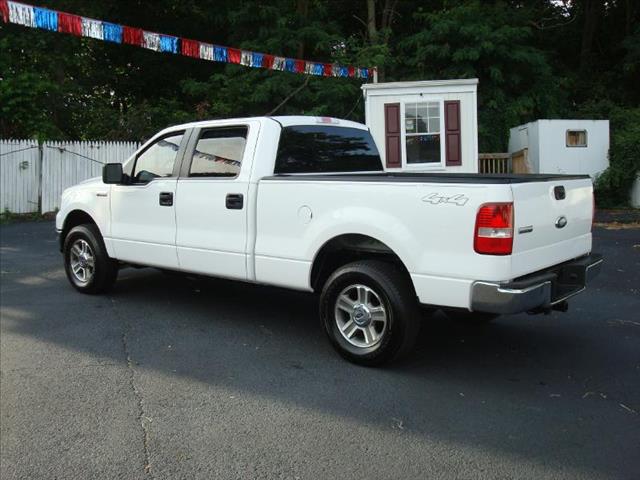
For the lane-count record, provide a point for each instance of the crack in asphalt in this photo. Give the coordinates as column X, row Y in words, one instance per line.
column 136, row 393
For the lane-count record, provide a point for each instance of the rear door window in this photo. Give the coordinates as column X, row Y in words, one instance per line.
column 326, row 149
column 219, row 152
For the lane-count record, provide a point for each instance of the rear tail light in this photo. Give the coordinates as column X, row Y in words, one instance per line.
column 494, row 229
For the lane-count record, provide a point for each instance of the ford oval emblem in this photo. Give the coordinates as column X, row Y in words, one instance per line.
column 561, row 222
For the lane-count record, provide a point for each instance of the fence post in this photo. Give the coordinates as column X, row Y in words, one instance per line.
column 40, row 165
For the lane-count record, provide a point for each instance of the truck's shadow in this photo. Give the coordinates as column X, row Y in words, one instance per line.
column 496, row 388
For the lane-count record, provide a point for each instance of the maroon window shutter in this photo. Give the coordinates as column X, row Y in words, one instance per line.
column 452, row 132
column 392, row 135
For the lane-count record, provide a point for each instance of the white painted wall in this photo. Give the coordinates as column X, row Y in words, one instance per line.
column 526, row 136
column 376, row 95
column 635, row 193
column 548, row 152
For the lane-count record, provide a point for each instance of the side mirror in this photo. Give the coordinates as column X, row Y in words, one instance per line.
column 112, row 173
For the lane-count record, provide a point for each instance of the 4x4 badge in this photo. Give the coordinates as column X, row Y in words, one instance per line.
column 436, row 199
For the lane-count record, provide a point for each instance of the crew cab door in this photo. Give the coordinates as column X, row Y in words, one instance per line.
column 143, row 215
column 213, row 204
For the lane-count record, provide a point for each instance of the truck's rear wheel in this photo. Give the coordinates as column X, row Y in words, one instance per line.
column 86, row 263
column 369, row 312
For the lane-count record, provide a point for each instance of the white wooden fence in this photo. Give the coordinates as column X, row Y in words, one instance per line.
column 68, row 163
column 33, row 176
column 19, row 175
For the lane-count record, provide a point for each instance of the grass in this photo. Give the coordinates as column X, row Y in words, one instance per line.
column 8, row 217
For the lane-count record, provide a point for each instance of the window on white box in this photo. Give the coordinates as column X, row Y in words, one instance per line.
column 422, row 132
column 576, row 138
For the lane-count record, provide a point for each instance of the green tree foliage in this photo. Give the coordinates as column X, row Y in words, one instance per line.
column 495, row 44
column 534, row 59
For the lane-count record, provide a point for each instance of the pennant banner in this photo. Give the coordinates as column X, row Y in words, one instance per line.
column 52, row 20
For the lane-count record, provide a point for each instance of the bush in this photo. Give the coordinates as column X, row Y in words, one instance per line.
column 614, row 185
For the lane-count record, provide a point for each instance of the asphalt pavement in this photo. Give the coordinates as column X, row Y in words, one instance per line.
column 172, row 377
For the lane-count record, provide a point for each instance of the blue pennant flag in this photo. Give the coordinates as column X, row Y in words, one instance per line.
column 290, row 65
column 256, row 59
column 220, row 54
column 168, row 44
column 112, row 32
column 45, row 19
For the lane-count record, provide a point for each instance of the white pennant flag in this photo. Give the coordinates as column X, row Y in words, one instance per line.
column 21, row 14
column 278, row 63
column 245, row 58
column 151, row 41
column 92, row 28
column 206, row 51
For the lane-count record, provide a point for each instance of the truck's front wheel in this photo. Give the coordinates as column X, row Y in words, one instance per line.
column 369, row 312
column 87, row 265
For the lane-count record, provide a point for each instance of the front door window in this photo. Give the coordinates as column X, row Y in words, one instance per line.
column 158, row 160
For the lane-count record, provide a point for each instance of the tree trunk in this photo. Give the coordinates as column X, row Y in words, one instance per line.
column 628, row 18
column 379, row 32
column 388, row 13
column 591, row 13
column 302, row 8
column 372, row 28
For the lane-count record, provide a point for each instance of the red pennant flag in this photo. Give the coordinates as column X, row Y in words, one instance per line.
column 4, row 11
column 68, row 23
column 234, row 55
column 267, row 61
column 299, row 66
column 352, row 71
column 190, row 48
column 131, row 35
column 327, row 69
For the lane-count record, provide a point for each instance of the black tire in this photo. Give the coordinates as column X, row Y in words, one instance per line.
column 473, row 319
column 105, row 269
column 393, row 290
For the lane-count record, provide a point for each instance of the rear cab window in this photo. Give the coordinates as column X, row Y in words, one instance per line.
column 326, row 149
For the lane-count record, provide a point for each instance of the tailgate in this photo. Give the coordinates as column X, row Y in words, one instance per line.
column 552, row 223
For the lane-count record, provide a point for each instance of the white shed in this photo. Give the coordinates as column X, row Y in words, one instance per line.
column 424, row 125
column 563, row 146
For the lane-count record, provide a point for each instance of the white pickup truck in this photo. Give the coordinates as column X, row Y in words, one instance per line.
column 304, row 203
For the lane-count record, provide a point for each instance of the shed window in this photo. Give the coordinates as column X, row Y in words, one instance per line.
column 422, row 130
column 576, row 138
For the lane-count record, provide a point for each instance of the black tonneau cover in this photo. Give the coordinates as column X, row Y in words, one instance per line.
column 429, row 177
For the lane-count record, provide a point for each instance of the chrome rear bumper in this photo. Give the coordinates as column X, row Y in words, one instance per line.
column 537, row 292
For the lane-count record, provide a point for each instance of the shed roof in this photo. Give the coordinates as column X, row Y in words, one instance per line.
column 420, row 84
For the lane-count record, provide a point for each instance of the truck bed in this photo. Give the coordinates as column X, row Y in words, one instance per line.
column 427, row 219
